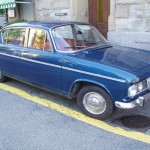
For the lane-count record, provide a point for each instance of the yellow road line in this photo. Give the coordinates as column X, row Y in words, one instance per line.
column 77, row 115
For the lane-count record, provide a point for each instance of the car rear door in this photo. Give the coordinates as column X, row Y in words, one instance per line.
column 40, row 65
column 10, row 50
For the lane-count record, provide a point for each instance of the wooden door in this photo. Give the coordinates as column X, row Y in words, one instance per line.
column 99, row 11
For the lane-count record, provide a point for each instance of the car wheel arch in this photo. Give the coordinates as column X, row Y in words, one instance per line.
column 79, row 84
column 3, row 78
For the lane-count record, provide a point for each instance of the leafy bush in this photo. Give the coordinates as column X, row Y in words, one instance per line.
column 16, row 21
column 1, row 12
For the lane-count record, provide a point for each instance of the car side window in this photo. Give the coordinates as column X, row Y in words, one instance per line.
column 15, row 36
column 38, row 39
column 63, row 37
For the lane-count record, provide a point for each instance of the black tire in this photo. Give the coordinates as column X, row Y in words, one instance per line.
column 99, row 94
column 2, row 77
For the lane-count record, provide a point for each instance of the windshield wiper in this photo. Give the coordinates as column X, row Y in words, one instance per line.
column 101, row 44
column 104, row 45
column 75, row 47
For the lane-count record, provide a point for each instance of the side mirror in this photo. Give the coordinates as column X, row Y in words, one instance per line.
column 79, row 32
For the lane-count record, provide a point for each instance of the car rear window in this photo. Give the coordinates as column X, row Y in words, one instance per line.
column 15, row 36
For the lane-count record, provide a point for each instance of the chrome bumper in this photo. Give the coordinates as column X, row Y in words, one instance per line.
column 140, row 101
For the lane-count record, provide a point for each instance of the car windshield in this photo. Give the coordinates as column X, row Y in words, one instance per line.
column 77, row 37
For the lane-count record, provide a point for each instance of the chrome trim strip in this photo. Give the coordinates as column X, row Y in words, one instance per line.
column 39, row 62
column 66, row 68
column 92, row 74
column 10, row 55
column 35, row 61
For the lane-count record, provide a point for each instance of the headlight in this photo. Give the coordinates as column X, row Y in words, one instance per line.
column 138, row 88
column 148, row 83
column 132, row 91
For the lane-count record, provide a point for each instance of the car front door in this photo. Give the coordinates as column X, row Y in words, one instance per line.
column 40, row 64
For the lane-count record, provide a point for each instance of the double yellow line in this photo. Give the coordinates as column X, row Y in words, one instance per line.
column 77, row 115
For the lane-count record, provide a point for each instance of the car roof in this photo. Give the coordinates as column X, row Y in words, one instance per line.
column 44, row 24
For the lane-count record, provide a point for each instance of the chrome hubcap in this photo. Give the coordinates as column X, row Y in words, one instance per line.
column 94, row 103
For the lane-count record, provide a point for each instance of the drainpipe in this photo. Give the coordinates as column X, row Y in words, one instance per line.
column 6, row 15
column 34, row 14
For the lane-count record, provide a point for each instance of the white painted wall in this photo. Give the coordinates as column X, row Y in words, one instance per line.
column 27, row 11
column 2, row 21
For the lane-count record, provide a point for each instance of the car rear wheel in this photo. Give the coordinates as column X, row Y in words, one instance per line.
column 95, row 102
column 2, row 77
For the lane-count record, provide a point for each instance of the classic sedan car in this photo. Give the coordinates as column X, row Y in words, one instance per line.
column 73, row 59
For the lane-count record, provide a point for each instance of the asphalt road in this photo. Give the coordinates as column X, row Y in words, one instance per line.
column 25, row 125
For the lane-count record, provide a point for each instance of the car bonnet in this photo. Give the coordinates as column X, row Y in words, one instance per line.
column 128, row 59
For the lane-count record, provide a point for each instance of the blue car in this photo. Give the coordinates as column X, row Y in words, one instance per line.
column 73, row 59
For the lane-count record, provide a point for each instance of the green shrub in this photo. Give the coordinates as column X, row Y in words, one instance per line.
column 1, row 12
column 16, row 21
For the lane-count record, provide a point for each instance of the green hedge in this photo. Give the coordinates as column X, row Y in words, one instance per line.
column 16, row 21
column 1, row 12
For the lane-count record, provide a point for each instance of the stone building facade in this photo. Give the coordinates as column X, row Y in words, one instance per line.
column 129, row 23
column 74, row 10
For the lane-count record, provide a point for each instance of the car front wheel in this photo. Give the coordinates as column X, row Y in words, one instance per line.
column 95, row 102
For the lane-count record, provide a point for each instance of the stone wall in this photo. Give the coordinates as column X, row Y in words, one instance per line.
column 131, row 23
column 75, row 10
